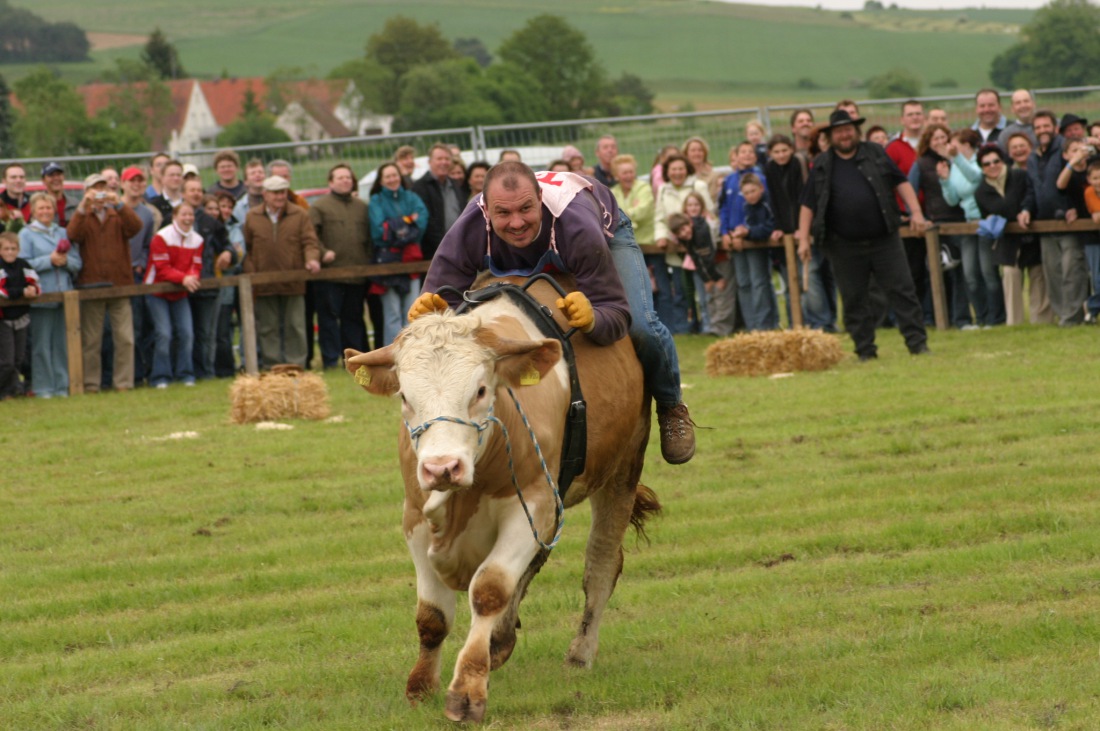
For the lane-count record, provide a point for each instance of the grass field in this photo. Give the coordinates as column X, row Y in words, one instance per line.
column 909, row 544
column 718, row 52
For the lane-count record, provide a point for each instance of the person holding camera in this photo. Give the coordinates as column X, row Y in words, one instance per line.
column 102, row 226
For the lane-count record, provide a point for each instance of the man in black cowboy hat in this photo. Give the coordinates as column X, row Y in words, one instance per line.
column 849, row 206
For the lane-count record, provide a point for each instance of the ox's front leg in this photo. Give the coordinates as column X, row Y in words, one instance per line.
column 435, row 613
column 491, row 593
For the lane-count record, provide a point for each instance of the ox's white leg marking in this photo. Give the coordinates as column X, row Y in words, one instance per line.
column 491, row 593
column 435, row 613
column 603, row 562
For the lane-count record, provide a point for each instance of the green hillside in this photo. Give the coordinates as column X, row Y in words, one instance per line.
column 685, row 49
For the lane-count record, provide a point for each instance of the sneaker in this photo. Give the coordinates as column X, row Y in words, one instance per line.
column 970, row 326
column 161, row 385
column 677, row 433
column 921, row 349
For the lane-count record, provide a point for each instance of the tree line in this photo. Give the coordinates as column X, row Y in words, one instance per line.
column 27, row 38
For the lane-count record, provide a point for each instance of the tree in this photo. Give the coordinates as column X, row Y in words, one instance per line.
column 26, row 37
column 402, row 45
column 140, row 103
column 445, row 94
column 547, row 48
column 629, row 95
column 475, row 49
column 162, row 56
column 895, row 83
column 53, row 117
column 1059, row 47
column 7, row 122
column 369, row 78
column 253, row 127
column 281, row 88
column 514, row 93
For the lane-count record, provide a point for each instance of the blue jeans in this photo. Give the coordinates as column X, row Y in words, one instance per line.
column 143, row 334
column 817, row 312
column 395, row 310
column 704, row 301
column 204, row 323
column 49, row 351
column 670, row 305
column 652, row 340
column 755, row 294
column 983, row 283
column 171, row 319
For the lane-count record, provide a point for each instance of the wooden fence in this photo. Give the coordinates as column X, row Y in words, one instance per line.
column 244, row 282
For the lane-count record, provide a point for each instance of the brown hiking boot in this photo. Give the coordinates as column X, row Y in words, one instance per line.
column 677, row 433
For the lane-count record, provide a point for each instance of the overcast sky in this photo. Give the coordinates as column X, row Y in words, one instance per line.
column 911, row 4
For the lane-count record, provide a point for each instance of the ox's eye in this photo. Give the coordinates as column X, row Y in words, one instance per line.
column 481, row 393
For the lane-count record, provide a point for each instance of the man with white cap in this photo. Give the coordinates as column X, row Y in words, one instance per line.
column 279, row 237
column 102, row 226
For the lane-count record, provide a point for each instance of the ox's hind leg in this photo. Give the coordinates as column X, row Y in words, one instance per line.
column 435, row 613
column 493, row 592
column 603, row 562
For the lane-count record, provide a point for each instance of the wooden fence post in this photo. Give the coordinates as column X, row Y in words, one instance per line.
column 248, row 326
column 794, row 280
column 73, row 342
column 935, row 274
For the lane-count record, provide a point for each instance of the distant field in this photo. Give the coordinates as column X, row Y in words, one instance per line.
column 688, row 49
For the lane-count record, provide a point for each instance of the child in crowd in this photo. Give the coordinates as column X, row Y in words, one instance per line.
column 713, row 270
column 17, row 280
column 175, row 255
column 754, row 221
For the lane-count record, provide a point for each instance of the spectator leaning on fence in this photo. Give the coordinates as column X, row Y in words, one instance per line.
column 279, row 237
column 46, row 246
column 342, row 223
column 849, row 206
column 102, row 226
column 175, row 256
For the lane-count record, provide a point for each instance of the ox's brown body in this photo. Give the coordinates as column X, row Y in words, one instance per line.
column 463, row 521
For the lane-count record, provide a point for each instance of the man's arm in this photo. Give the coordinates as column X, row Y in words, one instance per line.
column 909, row 196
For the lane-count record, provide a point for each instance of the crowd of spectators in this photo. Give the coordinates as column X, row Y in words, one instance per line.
column 158, row 223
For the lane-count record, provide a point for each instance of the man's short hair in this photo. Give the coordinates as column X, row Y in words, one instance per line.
column 280, row 163
column 339, row 166
column 987, row 90
column 254, row 162
column 158, row 155
column 968, row 136
column 13, row 165
column 230, row 155
column 510, row 174
column 911, row 103
column 677, row 220
column 173, row 161
column 749, row 179
column 192, row 180
column 1093, row 167
column 1049, row 114
column 779, row 139
column 1014, row 135
column 440, row 146
column 509, row 152
column 795, row 113
column 404, row 151
column 10, row 236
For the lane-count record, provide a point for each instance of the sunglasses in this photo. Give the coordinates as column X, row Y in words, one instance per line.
column 992, row 163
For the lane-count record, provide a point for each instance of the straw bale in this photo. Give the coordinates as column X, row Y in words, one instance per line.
column 773, row 351
column 287, row 392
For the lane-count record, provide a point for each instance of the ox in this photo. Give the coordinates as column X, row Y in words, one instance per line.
column 464, row 523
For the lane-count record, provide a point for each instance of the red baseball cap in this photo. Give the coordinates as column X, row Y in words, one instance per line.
column 132, row 172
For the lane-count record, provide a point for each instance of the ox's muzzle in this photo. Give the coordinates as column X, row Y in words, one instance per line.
column 447, row 463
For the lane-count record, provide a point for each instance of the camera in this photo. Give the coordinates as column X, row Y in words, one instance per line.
column 100, row 195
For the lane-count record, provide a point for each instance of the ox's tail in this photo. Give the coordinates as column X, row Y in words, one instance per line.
column 646, row 504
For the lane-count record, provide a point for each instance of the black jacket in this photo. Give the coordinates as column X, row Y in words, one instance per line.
column 215, row 240
column 1012, row 249
column 872, row 161
column 431, row 193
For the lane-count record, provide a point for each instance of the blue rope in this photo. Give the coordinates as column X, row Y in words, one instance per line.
column 416, row 432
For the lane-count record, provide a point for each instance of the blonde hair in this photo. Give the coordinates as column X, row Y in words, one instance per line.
column 701, row 141
column 42, row 197
column 623, row 159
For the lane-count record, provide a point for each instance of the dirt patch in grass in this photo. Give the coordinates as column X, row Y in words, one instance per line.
column 106, row 41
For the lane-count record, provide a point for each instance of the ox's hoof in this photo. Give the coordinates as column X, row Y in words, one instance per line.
column 581, row 653
column 461, row 707
column 420, row 689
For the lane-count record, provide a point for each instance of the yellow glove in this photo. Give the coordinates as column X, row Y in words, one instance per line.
column 426, row 303
column 578, row 310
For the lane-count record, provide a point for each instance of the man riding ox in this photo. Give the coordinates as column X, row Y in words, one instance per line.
column 567, row 223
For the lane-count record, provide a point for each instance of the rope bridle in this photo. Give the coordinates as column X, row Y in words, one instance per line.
column 415, row 432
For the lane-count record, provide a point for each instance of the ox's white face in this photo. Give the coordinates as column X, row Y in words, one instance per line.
column 446, row 370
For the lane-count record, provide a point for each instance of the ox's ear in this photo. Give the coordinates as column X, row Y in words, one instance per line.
column 373, row 371
column 517, row 360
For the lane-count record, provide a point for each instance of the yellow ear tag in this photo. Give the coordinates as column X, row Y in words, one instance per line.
column 530, row 377
column 362, row 376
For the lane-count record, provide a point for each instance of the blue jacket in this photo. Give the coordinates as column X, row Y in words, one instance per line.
column 388, row 203
column 962, row 181
column 730, row 200
column 758, row 219
column 36, row 245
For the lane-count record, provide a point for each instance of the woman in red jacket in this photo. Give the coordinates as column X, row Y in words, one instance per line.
column 175, row 255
